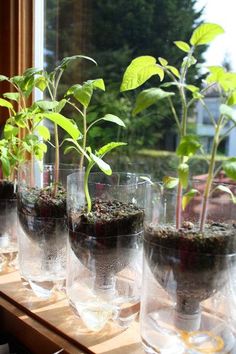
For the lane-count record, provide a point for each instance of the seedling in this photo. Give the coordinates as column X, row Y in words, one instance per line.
column 30, row 118
column 142, row 68
column 82, row 94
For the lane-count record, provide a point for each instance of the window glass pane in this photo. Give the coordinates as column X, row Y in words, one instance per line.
column 114, row 33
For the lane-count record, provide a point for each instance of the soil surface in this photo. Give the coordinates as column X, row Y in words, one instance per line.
column 218, row 238
column 190, row 265
column 108, row 218
column 108, row 237
column 42, row 214
column 43, row 202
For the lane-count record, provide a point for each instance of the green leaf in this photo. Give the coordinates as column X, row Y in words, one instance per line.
column 14, row 96
column 3, row 78
column 70, row 148
column 64, row 123
column 189, row 61
column 98, row 83
column 229, row 167
column 60, row 106
column 32, row 71
column 6, row 168
column 192, row 88
column 232, row 99
column 228, row 112
column 108, row 147
column 83, row 94
column 72, row 89
column 5, row 103
column 205, row 33
column 183, row 173
column 148, row 97
column 43, row 132
column 114, row 119
column 182, row 45
column 78, row 148
column 67, row 60
column 216, row 73
column 46, row 105
column 20, row 120
column 41, row 83
column 188, row 145
column 187, row 197
column 27, row 86
column 169, row 84
column 139, row 71
column 42, row 147
column 31, row 139
column 170, row 182
column 227, row 190
column 174, row 70
column 163, row 61
column 227, row 80
column 197, row 95
column 39, row 149
column 10, row 131
column 104, row 167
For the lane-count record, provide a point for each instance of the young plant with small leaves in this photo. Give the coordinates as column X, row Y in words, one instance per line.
column 82, row 94
column 30, row 118
column 142, row 68
column 21, row 116
column 49, row 82
column 93, row 158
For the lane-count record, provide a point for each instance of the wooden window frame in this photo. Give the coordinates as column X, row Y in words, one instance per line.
column 16, row 41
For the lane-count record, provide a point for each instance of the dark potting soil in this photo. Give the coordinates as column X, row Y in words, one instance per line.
column 7, row 190
column 43, row 202
column 108, row 218
column 190, row 265
column 42, row 214
column 108, row 236
column 7, row 207
column 217, row 238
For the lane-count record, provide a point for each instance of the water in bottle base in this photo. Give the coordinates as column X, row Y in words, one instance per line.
column 160, row 336
column 96, row 308
column 44, row 288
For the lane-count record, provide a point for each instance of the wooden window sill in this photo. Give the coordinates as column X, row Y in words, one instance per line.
column 51, row 326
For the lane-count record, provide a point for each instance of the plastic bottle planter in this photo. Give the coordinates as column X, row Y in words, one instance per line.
column 104, row 257
column 42, row 215
column 8, row 227
column 189, row 293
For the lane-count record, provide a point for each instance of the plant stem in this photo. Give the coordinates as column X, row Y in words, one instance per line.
column 227, row 133
column 174, row 113
column 210, row 174
column 84, row 138
column 183, row 132
column 57, row 160
column 75, row 107
column 209, row 113
column 179, row 206
column 86, row 189
column 32, row 172
column 57, row 152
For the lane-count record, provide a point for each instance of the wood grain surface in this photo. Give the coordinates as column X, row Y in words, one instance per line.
column 51, row 326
